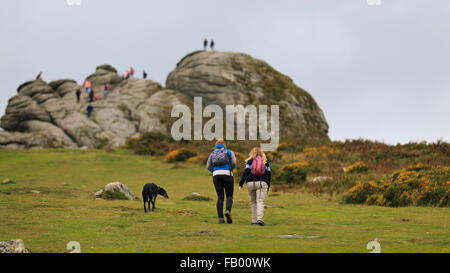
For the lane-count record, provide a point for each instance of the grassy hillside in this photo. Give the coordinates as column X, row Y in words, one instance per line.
column 65, row 210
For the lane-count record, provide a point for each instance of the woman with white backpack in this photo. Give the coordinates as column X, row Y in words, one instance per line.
column 257, row 177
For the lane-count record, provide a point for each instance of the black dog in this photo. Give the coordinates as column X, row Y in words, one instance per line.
column 149, row 194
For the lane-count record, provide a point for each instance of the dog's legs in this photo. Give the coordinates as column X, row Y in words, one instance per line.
column 145, row 199
column 153, row 203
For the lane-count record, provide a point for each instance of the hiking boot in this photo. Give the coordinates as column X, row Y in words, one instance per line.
column 261, row 223
column 221, row 221
column 228, row 215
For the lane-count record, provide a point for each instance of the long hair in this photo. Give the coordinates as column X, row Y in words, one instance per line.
column 256, row 152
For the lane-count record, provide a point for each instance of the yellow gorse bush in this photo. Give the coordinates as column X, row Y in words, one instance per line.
column 319, row 151
column 299, row 164
column 294, row 173
column 358, row 167
column 178, row 155
column 416, row 185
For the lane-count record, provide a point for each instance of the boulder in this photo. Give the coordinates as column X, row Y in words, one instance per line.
column 82, row 130
column 133, row 92
column 16, row 140
column 111, row 190
column 107, row 67
column 13, row 246
column 56, row 84
column 195, row 196
column 22, row 108
column 33, row 88
column 115, row 124
column 116, row 114
column 55, row 108
column 229, row 78
column 320, row 179
column 102, row 76
column 60, row 139
column 66, row 87
column 154, row 114
column 7, row 181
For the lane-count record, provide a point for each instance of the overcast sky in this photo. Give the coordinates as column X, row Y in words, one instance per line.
column 377, row 72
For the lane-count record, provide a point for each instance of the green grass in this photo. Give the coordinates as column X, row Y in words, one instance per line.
column 66, row 210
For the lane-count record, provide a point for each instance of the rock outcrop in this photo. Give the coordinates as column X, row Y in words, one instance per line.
column 48, row 115
column 14, row 246
column 228, row 78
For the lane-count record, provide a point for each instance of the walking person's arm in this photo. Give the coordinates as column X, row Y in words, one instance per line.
column 209, row 164
column 244, row 176
column 233, row 160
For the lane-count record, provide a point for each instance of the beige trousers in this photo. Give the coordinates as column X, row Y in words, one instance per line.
column 258, row 192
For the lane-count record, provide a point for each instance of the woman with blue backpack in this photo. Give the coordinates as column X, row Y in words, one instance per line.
column 257, row 177
column 221, row 163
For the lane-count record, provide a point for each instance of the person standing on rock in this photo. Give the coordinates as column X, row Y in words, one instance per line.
column 78, row 93
column 131, row 72
column 221, row 163
column 106, row 90
column 125, row 75
column 87, row 85
column 144, row 74
column 89, row 109
column 212, row 45
column 257, row 176
column 205, row 44
column 38, row 77
column 91, row 95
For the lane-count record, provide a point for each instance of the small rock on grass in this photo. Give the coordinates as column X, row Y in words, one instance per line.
column 195, row 196
column 116, row 190
column 296, row 236
column 319, row 179
column 202, row 233
column 13, row 246
column 8, row 181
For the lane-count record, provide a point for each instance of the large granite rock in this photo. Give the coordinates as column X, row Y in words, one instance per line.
column 56, row 134
column 228, row 78
column 17, row 140
column 48, row 114
column 153, row 114
column 22, row 108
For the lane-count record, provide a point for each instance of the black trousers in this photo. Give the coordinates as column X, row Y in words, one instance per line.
column 223, row 184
